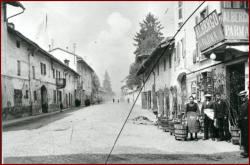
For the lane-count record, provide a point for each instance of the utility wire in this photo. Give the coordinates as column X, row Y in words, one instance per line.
column 157, row 61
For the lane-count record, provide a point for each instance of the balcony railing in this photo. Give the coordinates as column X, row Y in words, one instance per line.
column 60, row 83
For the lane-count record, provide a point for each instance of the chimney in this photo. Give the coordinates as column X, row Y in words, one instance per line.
column 49, row 47
column 66, row 62
column 67, row 48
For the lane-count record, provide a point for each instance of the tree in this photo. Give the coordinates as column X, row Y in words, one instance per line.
column 149, row 36
column 146, row 40
column 107, row 83
column 95, row 83
column 133, row 79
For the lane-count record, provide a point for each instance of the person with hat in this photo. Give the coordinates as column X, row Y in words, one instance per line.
column 244, row 123
column 207, row 113
column 221, row 117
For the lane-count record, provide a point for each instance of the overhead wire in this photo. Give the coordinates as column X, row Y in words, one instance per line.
column 154, row 65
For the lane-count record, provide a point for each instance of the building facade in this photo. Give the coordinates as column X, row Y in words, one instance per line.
column 32, row 80
column 210, row 55
column 85, row 86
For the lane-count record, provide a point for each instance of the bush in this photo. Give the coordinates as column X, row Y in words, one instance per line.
column 87, row 102
column 77, row 102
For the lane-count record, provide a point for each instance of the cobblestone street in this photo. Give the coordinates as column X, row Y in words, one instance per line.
column 86, row 135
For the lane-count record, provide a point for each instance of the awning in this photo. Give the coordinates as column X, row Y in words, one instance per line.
column 241, row 48
column 235, row 47
column 167, row 49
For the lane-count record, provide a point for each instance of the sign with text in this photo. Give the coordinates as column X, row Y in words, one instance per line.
column 209, row 31
column 236, row 24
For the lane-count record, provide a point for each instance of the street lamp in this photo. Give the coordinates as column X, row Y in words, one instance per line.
column 213, row 56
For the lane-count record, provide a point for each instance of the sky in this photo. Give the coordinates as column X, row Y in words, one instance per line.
column 103, row 31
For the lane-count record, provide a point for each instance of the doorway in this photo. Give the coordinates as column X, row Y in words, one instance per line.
column 235, row 84
column 44, row 99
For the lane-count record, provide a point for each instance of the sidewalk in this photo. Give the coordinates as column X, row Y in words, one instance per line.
column 29, row 118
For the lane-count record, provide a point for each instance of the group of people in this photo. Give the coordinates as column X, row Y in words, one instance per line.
column 214, row 115
column 117, row 100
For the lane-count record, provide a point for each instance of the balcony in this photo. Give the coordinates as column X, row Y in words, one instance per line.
column 60, row 83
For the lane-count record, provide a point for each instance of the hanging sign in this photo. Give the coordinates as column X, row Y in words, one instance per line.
column 209, row 31
column 236, row 23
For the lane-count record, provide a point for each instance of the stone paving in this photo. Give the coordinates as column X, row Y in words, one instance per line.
column 88, row 134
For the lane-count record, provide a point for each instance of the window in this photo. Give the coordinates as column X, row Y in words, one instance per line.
column 34, row 72
column 178, row 52
column 26, row 94
column 54, row 94
column 183, row 47
column 158, row 69
column 204, row 13
column 18, row 44
column 164, row 63
column 170, row 60
column 59, row 74
column 235, row 4
column 17, row 97
column 59, row 96
column 43, row 69
column 35, row 96
column 53, row 72
column 180, row 3
column 18, row 68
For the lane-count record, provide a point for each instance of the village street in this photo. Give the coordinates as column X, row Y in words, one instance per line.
column 86, row 135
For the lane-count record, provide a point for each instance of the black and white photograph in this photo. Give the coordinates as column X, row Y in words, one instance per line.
column 125, row 82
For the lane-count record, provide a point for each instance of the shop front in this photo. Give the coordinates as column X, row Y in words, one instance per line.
column 230, row 50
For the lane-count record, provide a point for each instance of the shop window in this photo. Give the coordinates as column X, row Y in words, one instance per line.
column 18, row 68
column 18, row 97
column 35, row 96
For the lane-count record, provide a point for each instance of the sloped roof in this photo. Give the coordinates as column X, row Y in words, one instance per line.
column 20, row 35
column 165, row 47
column 78, row 58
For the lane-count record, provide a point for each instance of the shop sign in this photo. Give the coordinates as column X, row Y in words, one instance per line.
column 236, row 23
column 209, row 31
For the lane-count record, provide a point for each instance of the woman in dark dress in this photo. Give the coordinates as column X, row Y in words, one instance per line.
column 192, row 113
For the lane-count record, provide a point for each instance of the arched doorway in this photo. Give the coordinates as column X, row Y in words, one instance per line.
column 44, row 99
column 183, row 86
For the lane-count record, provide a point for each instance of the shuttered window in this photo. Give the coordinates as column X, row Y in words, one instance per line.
column 18, row 68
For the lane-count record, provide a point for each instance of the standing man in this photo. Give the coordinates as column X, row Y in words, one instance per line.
column 221, row 115
column 244, row 123
column 207, row 112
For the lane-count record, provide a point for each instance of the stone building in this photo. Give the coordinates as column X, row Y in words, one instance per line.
column 210, row 55
column 85, row 85
column 32, row 80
